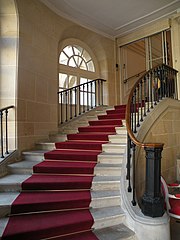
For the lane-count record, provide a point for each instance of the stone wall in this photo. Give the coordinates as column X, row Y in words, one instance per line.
column 40, row 33
column 162, row 125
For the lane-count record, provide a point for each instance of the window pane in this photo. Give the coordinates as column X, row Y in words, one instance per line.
column 63, row 59
column 72, row 62
column 63, row 80
column 91, row 66
column 86, row 56
column 77, row 50
column 83, row 65
column 78, row 60
column 68, row 50
column 72, row 81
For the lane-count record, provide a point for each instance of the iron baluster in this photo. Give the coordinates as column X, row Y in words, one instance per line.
column 2, row 145
column 134, row 174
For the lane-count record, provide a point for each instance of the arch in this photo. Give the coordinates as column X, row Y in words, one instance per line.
column 77, row 63
column 8, row 64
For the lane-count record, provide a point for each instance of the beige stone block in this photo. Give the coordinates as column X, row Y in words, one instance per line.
column 21, row 110
column 25, row 129
column 43, row 129
column 52, row 92
column 169, row 115
column 26, row 143
column 31, row 58
column 176, row 126
column 41, row 89
column 54, row 113
column 7, row 82
column 7, row 7
column 26, row 31
column 9, row 26
column 26, row 84
column 38, row 112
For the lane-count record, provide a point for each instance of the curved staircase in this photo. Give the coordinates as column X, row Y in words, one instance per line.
column 71, row 192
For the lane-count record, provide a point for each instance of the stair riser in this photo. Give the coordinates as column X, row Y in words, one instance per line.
column 5, row 211
column 110, row 159
column 112, row 149
column 95, row 203
column 20, row 170
column 109, row 186
column 105, row 202
column 108, row 222
column 58, row 138
column 107, row 172
column 29, row 157
column 10, row 187
column 47, row 146
column 118, row 139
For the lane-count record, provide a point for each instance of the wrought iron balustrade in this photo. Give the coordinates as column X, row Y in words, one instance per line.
column 4, row 130
column 80, row 99
column 156, row 84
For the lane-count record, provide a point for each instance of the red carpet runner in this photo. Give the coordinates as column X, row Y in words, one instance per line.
column 54, row 202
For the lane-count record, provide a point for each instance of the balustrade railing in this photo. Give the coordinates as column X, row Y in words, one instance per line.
column 80, row 99
column 156, row 84
column 4, row 130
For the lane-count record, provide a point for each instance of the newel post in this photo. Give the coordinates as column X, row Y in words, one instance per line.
column 152, row 200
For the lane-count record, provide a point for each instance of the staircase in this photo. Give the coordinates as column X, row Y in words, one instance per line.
column 76, row 179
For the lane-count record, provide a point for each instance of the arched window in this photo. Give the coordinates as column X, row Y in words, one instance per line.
column 76, row 65
column 76, row 56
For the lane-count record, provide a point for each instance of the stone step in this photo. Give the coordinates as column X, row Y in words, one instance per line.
column 110, row 158
column 26, row 167
column 6, row 200
column 118, row 138
column 23, row 167
column 45, row 146
column 34, row 155
column 117, row 232
column 106, row 183
column 113, row 148
column 102, row 169
column 121, row 130
column 12, row 182
column 3, row 224
column 107, row 217
column 57, row 137
column 100, row 199
column 70, row 131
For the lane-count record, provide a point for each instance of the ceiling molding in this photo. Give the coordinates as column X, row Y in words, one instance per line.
column 113, row 21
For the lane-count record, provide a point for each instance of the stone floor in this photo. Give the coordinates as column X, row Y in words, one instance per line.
column 175, row 229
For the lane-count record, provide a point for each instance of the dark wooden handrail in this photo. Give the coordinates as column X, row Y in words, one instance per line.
column 154, row 85
column 128, row 122
column 133, row 76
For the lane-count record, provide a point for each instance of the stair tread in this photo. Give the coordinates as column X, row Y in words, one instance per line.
column 106, row 179
column 35, row 152
column 117, row 232
column 104, row 194
column 44, row 224
column 106, row 212
column 7, row 198
column 14, row 179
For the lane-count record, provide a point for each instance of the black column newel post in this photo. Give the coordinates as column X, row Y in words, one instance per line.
column 152, row 200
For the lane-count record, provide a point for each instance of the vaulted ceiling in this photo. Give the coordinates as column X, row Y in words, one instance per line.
column 113, row 18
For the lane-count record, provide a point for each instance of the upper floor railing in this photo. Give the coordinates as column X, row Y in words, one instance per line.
column 80, row 99
column 156, row 84
column 4, row 130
